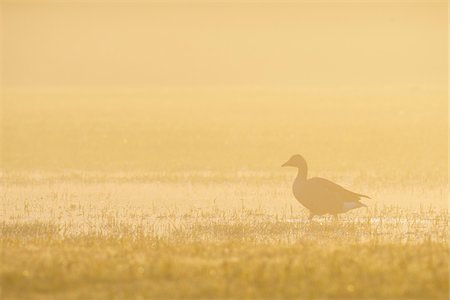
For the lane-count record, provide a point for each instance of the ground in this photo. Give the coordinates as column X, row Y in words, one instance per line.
column 240, row 236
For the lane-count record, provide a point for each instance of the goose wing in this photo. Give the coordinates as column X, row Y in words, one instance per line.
column 325, row 190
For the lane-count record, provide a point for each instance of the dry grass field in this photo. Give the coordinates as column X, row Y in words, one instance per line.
column 170, row 194
column 215, row 235
column 180, row 194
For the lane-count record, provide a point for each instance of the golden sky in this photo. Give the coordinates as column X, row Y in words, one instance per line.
column 215, row 44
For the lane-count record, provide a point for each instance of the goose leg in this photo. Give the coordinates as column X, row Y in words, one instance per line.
column 311, row 216
column 336, row 218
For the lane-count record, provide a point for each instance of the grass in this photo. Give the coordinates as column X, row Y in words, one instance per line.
column 126, row 239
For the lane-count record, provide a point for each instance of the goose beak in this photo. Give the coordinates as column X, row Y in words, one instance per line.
column 286, row 164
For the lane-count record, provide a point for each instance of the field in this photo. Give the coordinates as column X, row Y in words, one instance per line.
column 179, row 194
column 216, row 235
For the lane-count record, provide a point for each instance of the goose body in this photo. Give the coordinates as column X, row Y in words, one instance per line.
column 321, row 196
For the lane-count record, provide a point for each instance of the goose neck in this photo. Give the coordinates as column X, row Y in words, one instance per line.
column 301, row 175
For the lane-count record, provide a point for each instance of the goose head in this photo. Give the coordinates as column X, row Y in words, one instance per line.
column 296, row 161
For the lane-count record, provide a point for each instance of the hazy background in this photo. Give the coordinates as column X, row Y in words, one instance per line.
column 354, row 87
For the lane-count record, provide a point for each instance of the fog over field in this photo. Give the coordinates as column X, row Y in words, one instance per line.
column 142, row 144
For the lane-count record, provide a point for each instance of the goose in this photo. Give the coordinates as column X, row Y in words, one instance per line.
column 321, row 196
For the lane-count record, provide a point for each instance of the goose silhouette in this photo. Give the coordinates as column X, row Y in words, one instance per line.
column 321, row 196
